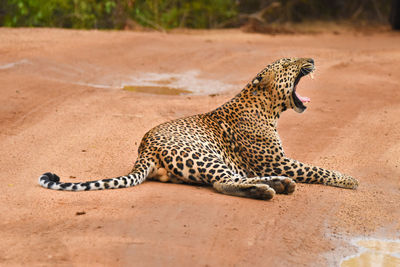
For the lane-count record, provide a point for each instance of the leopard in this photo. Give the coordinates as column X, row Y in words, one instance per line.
column 235, row 148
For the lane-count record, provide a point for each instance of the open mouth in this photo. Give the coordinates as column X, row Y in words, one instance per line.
column 299, row 100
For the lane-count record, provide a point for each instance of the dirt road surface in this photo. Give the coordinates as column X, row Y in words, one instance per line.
column 62, row 109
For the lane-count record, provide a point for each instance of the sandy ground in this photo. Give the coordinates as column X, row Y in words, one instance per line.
column 61, row 110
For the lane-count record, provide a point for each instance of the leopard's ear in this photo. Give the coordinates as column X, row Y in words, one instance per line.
column 264, row 77
column 264, row 81
column 257, row 80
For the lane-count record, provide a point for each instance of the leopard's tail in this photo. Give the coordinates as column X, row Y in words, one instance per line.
column 143, row 167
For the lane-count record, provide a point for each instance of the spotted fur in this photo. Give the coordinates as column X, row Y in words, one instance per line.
column 235, row 148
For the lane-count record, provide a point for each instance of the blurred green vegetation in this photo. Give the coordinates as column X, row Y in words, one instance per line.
column 58, row 13
column 114, row 14
column 167, row 14
column 184, row 13
column 309, row 10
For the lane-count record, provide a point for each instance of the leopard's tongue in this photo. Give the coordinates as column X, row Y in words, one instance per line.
column 303, row 99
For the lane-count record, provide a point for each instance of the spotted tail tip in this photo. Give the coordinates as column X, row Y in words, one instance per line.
column 47, row 178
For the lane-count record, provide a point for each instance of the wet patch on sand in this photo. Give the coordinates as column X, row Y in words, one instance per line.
column 157, row 90
column 189, row 82
column 374, row 252
column 175, row 84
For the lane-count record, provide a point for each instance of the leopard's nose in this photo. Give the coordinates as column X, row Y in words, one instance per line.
column 310, row 60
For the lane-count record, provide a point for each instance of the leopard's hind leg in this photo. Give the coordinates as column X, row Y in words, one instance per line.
column 281, row 184
column 233, row 184
column 257, row 187
column 258, row 191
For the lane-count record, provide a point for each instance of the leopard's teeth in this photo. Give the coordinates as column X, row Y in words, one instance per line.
column 312, row 75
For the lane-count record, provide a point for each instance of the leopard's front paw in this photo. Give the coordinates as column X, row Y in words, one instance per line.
column 350, row 182
column 283, row 185
column 345, row 181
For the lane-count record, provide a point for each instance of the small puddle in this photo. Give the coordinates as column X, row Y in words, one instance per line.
column 374, row 252
column 157, row 90
column 186, row 83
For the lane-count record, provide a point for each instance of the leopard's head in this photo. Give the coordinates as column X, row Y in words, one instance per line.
column 279, row 82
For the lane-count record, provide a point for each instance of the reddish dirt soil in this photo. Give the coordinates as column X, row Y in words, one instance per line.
column 51, row 121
